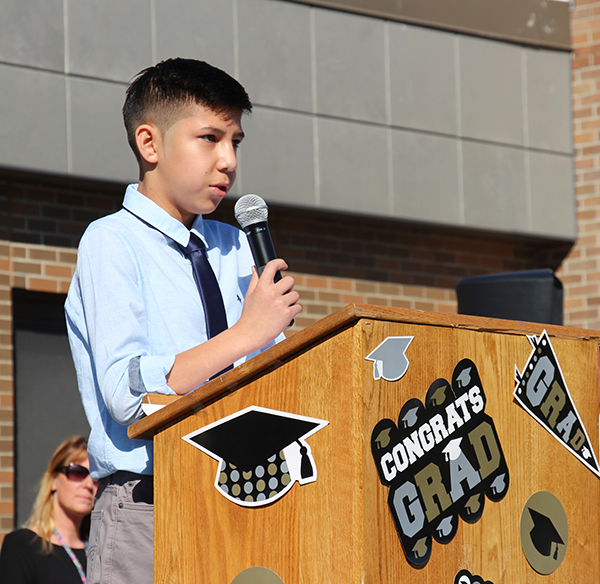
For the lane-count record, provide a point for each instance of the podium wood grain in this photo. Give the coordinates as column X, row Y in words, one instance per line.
column 339, row 528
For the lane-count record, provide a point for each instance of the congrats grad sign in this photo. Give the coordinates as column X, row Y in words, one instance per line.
column 439, row 461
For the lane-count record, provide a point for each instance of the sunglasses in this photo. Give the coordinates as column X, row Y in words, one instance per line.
column 75, row 472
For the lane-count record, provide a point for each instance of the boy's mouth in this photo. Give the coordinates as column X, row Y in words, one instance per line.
column 221, row 188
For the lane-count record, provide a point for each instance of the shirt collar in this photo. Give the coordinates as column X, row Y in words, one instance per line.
column 148, row 211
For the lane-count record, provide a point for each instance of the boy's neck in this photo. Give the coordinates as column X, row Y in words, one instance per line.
column 146, row 188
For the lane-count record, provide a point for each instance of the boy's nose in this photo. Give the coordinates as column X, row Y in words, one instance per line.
column 228, row 159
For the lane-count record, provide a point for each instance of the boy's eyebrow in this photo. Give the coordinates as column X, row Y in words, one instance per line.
column 214, row 130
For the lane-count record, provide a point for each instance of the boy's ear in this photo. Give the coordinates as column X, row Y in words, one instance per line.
column 147, row 138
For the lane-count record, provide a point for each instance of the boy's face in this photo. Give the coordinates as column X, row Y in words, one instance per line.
column 196, row 162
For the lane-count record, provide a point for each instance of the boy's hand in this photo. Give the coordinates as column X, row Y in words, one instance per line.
column 269, row 307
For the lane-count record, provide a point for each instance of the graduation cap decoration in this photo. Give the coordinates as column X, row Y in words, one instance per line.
column 409, row 419
column 544, row 532
column 452, row 451
column 473, row 505
column 464, row 378
column 421, row 548
column 499, row 484
column 389, row 359
column 445, row 527
column 544, row 536
column 438, row 393
column 261, row 452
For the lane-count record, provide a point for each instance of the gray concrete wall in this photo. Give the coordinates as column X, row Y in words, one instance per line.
column 352, row 113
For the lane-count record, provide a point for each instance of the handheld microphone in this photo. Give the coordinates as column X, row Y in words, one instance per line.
column 251, row 213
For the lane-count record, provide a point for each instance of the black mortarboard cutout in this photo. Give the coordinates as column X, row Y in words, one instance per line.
column 262, row 453
column 544, row 534
column 252, row 437
column 389, row 360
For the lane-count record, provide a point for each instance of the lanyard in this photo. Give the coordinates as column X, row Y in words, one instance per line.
column 72, row 555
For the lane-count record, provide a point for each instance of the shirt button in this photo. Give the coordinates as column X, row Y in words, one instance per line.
column 120, row 505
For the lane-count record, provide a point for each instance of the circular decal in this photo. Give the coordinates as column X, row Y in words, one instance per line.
column 257, row 575
column 544, row 532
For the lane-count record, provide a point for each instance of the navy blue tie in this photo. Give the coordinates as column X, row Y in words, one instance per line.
column 208, row 287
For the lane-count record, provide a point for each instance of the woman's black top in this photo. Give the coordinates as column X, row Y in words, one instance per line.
column 22, row 561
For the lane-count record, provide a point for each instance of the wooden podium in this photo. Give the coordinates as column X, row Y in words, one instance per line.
column 339, row 528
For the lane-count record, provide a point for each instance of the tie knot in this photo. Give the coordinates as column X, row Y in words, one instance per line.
column 195, row 244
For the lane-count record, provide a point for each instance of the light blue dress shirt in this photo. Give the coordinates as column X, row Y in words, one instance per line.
column 132, row 306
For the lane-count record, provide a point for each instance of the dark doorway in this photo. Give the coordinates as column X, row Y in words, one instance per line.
column 47, row 404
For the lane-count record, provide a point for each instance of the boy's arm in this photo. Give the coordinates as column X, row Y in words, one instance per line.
column 108, row 327
column 269, row 307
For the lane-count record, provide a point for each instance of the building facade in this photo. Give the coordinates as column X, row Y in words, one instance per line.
column 399, row 151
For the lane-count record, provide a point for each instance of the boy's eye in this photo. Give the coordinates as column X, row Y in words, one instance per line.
column 209, row 138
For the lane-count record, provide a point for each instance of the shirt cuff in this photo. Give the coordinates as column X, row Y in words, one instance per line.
column 148, row 374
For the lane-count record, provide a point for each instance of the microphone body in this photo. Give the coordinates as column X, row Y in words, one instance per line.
column 251, row 213
column 261, row 246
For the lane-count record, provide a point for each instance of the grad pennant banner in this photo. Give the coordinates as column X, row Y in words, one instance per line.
column 542, row 391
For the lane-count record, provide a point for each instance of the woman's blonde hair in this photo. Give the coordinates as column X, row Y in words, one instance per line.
column 41, row 519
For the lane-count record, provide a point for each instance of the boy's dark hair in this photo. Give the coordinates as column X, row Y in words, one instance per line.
column 157, row 94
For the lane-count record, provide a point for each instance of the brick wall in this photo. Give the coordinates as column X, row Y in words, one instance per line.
column 580, row 272
column 41, row 219
column 340, row 260
column 336, row 260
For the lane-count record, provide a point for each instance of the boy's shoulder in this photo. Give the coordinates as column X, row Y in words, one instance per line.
column 125, row 228
column 116, row 225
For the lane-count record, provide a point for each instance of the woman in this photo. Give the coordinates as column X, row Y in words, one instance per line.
column 52, row 548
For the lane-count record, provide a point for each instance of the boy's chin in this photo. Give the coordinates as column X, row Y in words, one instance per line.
column 205, row 209
column 208, row 209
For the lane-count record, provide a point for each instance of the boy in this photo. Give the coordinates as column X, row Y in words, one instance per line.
column 135, row 317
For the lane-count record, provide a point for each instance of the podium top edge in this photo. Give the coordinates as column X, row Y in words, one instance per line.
column 344, row 318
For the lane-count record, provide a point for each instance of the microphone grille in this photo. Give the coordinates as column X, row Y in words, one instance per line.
column 250, row 209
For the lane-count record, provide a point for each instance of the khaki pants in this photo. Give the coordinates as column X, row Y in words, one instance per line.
column 121, row 534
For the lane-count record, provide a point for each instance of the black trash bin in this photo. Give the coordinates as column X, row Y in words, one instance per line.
column 529, row 295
